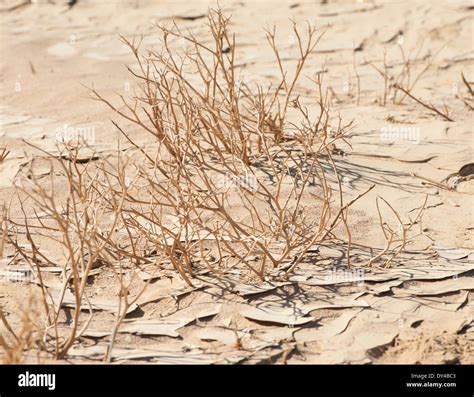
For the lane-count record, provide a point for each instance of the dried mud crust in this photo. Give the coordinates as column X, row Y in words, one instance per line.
column 314, row 317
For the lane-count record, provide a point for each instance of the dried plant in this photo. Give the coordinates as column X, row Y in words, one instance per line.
column 396, row 239
column 78, row 224
column 3, row 154
column 218, row 135
column 196, row 93
column 404, row 81
column 466, row 100
column 468, row 86
column 224, row 180
column 443, row 113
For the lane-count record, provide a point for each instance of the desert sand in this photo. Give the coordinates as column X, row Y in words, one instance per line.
column 419, row 309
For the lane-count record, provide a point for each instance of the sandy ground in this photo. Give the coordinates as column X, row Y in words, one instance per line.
column 419, row 311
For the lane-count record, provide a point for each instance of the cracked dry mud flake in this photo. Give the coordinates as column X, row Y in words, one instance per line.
column 278, row 314
column 295, row 313
column 328, row 329
column 444, row 321
column 432, row 271
column 160, row 354
column 382, row 288
column 432, row 288
column 448, row 313
column 252, row 289
column 169, row 325
column 182, row 352
column 97, row 303
column 106, row 303
column 452, row 253
column 247, row 339
column 449, row 302
column 419, row 272
column 341, row 276
column 165, row 288
column 417, row 268
column 165, row 326
column 94, row 334
column 394, row 307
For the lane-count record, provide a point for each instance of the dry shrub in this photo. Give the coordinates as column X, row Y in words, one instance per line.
column 226, row 165
column 73, row 216
column 225, row 180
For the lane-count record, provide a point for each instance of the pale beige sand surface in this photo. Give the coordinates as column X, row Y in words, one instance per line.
column 419, row 311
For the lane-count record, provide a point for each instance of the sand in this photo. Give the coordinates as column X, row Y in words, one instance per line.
column 51, row 53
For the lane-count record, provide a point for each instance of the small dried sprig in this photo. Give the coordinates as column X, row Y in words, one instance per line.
column 444, row 114
column 3, row 154
column 468, row 86
column 404, row 80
